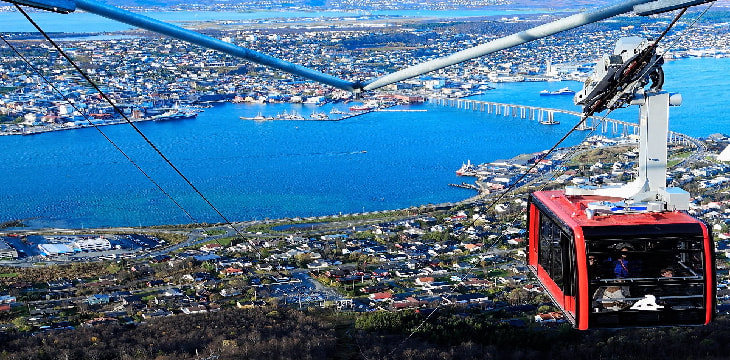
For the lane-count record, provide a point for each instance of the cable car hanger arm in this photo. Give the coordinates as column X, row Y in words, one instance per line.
column 640, row 7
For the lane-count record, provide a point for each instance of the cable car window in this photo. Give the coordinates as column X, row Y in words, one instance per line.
column 554, row 248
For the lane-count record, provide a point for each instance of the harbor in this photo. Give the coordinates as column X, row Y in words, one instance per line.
column 305, row 168
column 366, row 161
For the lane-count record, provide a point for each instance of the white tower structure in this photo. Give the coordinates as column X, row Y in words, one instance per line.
column 633, row 64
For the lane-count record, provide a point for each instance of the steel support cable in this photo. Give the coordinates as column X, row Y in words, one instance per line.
column 493, row 243
column 656, row 42
column 146, row 139
column 499, row 238
column 588, row 113
column 68, row 101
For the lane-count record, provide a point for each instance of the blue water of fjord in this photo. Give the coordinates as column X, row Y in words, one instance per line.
column 274, row 169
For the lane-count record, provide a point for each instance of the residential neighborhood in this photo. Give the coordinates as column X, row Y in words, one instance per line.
column 458, row 255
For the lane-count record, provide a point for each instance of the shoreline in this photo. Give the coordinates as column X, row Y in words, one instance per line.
column 482, row 188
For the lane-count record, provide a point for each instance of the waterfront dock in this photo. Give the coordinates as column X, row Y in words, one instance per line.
column 315, row 117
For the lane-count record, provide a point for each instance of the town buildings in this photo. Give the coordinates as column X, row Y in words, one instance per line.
column 148, row 75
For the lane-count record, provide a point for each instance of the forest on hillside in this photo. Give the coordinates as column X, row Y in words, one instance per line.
column 278, row 333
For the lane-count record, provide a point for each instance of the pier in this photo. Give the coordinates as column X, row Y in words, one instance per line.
column 547, row 116
column 465, row 185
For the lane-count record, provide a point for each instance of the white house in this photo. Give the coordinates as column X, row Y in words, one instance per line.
column 96, row 244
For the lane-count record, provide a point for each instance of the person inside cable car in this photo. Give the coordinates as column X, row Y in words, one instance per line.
column 595, row 268
column 677, row 295
column 624, row 267
column 666, row 273
column 611, row 298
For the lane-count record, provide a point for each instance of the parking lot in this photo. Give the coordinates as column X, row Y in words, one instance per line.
column 122, row 246
column 304, row 290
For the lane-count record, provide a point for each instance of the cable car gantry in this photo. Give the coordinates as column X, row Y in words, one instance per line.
column 626, row 255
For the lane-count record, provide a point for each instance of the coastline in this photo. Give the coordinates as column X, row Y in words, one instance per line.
column 484, row 191
column 258, row 170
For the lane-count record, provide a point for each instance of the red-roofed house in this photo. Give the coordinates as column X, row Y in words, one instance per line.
column 381, row 296
column 472, row 247
column 232, row 272
column 551, row 317
column 409, row 302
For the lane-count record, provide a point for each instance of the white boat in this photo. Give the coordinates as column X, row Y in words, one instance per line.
column 175, row 115
column 467, row 169
column 563, row 91
column 319, row 116
column 288, row 116
column 258, row 117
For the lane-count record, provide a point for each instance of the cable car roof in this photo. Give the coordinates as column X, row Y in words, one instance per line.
column 571, row 210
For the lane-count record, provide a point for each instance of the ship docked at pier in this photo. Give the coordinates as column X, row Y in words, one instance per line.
column 467, row 169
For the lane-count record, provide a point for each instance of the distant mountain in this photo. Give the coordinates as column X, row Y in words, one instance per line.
column 541, row 4
column 558, row 5
column 223, row 3
column 144, row 3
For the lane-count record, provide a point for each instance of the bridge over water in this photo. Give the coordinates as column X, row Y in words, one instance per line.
column 548, row 116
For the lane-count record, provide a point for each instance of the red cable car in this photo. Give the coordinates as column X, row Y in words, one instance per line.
column 621, row 270
column 626, row 255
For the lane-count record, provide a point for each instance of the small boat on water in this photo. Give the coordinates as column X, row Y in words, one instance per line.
column 563, row 91
column 319, row 116
column 258, row 117
column 175, row 115
column 288, row 116
column 338, row 112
